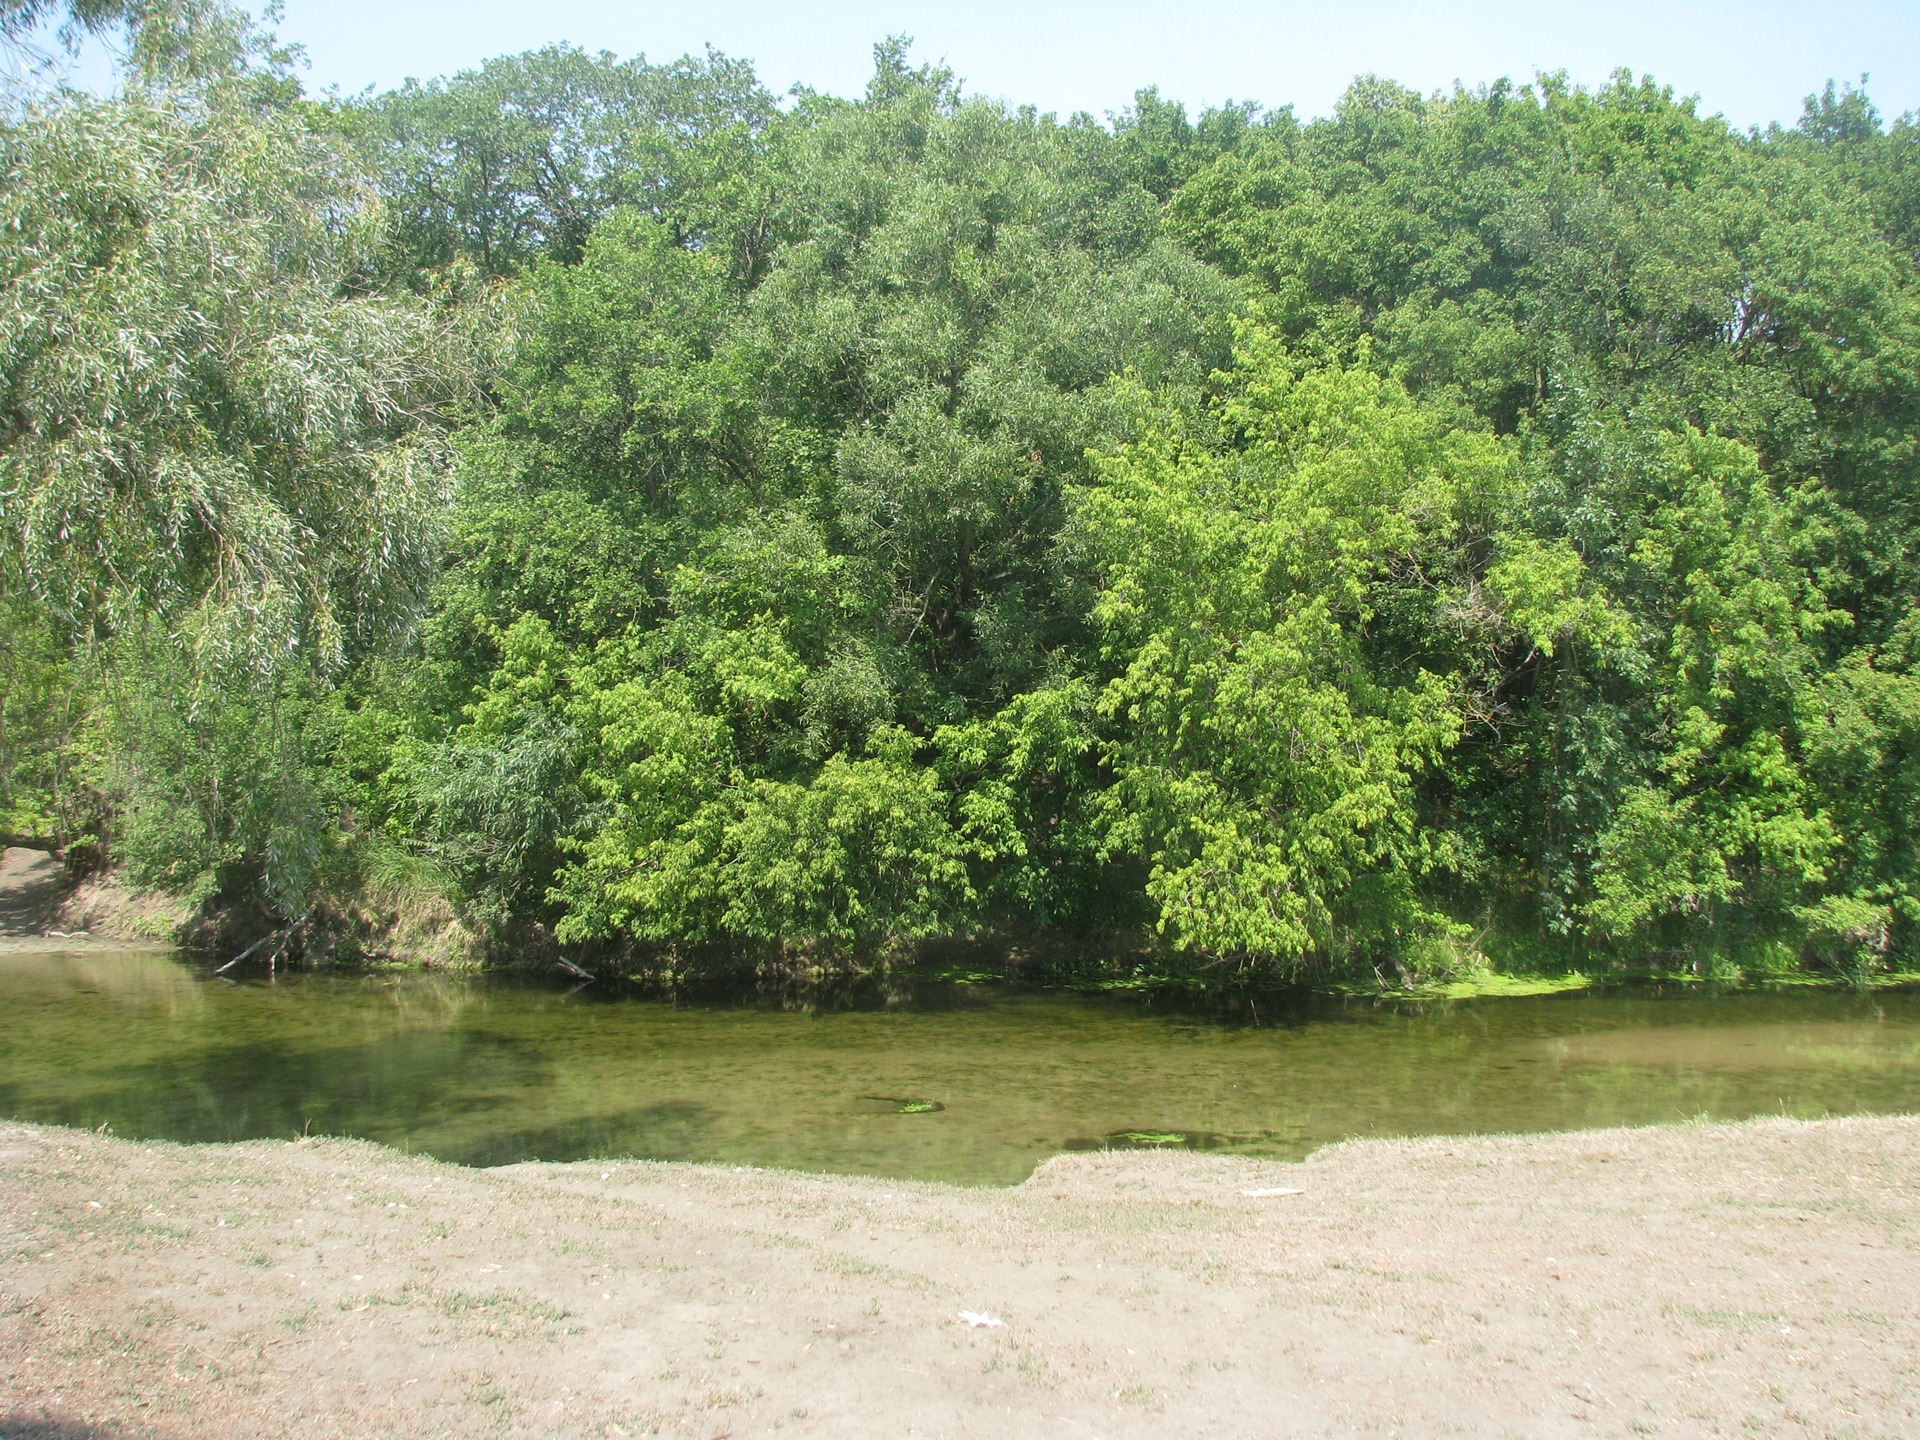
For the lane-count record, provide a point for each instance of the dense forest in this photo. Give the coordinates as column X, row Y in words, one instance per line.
column 660, row 518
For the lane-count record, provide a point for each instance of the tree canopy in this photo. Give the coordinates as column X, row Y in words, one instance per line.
column 669, row 519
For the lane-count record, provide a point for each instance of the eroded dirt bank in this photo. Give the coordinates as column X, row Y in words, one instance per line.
column 1758, row 1278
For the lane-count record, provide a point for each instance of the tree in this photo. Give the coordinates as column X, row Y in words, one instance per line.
column 222, row 463
column 793, row 526
column 523, row 157
column 1264, row 753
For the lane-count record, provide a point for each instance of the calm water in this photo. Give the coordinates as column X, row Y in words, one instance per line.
column 946, row 1082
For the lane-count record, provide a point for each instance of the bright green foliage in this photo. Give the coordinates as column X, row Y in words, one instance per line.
column 1862, row 729
column 1631, row 289
column 862, row 853
column 1727, row 821
column 1227, row 539
column 1264, row 760
column 795, row 528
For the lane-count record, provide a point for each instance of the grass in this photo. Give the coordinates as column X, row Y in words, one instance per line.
column 492, row 1314
column 1498, row 966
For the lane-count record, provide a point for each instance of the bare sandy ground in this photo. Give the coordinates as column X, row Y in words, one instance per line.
column 1757, row 1279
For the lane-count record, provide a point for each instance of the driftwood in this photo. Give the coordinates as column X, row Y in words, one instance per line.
column 271, row 934
column 572, row 969
column 281, row 938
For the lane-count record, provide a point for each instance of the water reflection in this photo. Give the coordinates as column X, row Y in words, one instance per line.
column 945, row 1081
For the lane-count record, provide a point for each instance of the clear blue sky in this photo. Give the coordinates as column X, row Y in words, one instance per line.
column 1753, row 62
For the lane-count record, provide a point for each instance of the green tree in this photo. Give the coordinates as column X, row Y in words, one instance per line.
column 794, row 526
column 223, row 454
column 521, row 158
column 1265, row 752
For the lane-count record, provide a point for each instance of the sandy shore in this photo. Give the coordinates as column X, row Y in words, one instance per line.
column 1732, row 1280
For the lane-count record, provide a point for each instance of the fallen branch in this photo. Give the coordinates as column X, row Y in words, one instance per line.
column 246, row 952
column 572, row 969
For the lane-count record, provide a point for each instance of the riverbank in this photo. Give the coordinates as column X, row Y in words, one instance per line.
column 1755, row 1278
column 400, row 928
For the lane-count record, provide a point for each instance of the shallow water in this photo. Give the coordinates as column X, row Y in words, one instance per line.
column 937, row 1081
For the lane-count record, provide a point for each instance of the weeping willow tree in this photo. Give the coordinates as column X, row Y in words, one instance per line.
column 222, row 465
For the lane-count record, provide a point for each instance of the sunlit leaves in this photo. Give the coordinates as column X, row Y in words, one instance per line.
column 205, row 420
column 1264, row 763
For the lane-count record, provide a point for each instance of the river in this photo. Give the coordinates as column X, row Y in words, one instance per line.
column 933, row 1080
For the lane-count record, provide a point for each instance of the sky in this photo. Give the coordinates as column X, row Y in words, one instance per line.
column 1753, row 62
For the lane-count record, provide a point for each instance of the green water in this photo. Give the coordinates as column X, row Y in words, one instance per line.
column 950, row 1082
